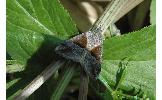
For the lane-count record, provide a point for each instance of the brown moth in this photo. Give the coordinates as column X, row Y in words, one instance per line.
column 84, row 49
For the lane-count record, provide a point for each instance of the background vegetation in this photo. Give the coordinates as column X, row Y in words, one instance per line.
column 36, row 27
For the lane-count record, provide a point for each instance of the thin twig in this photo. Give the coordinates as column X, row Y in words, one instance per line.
column 39, row 80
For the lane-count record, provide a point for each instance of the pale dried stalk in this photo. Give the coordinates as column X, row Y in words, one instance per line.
column 39, row 80
column 63, row 80
column 109, row 16
column 114, row 11
column 129, row 5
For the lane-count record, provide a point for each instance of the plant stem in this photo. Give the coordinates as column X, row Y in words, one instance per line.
column 108, row 16
column 83, row 89
column 129, row 5
column 39, row 80
column 63, row 81
column 114, row 11
column 106, row 84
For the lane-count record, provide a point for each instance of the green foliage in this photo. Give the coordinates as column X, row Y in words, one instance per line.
column 139, row 45
column 35, row 27
column 33, row 24
column 136, row 53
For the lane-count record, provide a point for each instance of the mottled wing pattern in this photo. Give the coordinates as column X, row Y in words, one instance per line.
column 85, row 49
column 92, row 42
column 70, row 50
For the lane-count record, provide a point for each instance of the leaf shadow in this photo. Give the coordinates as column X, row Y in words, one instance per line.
column 35, row 65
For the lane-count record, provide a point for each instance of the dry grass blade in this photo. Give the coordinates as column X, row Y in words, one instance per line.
column 63, row 80
column 108, row 16
column 129, row 5
column 39, row 80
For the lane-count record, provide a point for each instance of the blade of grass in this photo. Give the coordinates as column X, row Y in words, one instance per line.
column 108, row 16
column 129, row 5
column 63, row 81
column 39, row 80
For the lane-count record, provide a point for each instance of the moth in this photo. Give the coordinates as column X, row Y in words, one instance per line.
column 85, row 49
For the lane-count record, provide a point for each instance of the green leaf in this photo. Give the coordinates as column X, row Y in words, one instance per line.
column 128, row 68
column 10, row 85
column 15, row 85
column 14, row 68
column 139, row 45
column 34, row 24
column 34, row 29
column 153, row 12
